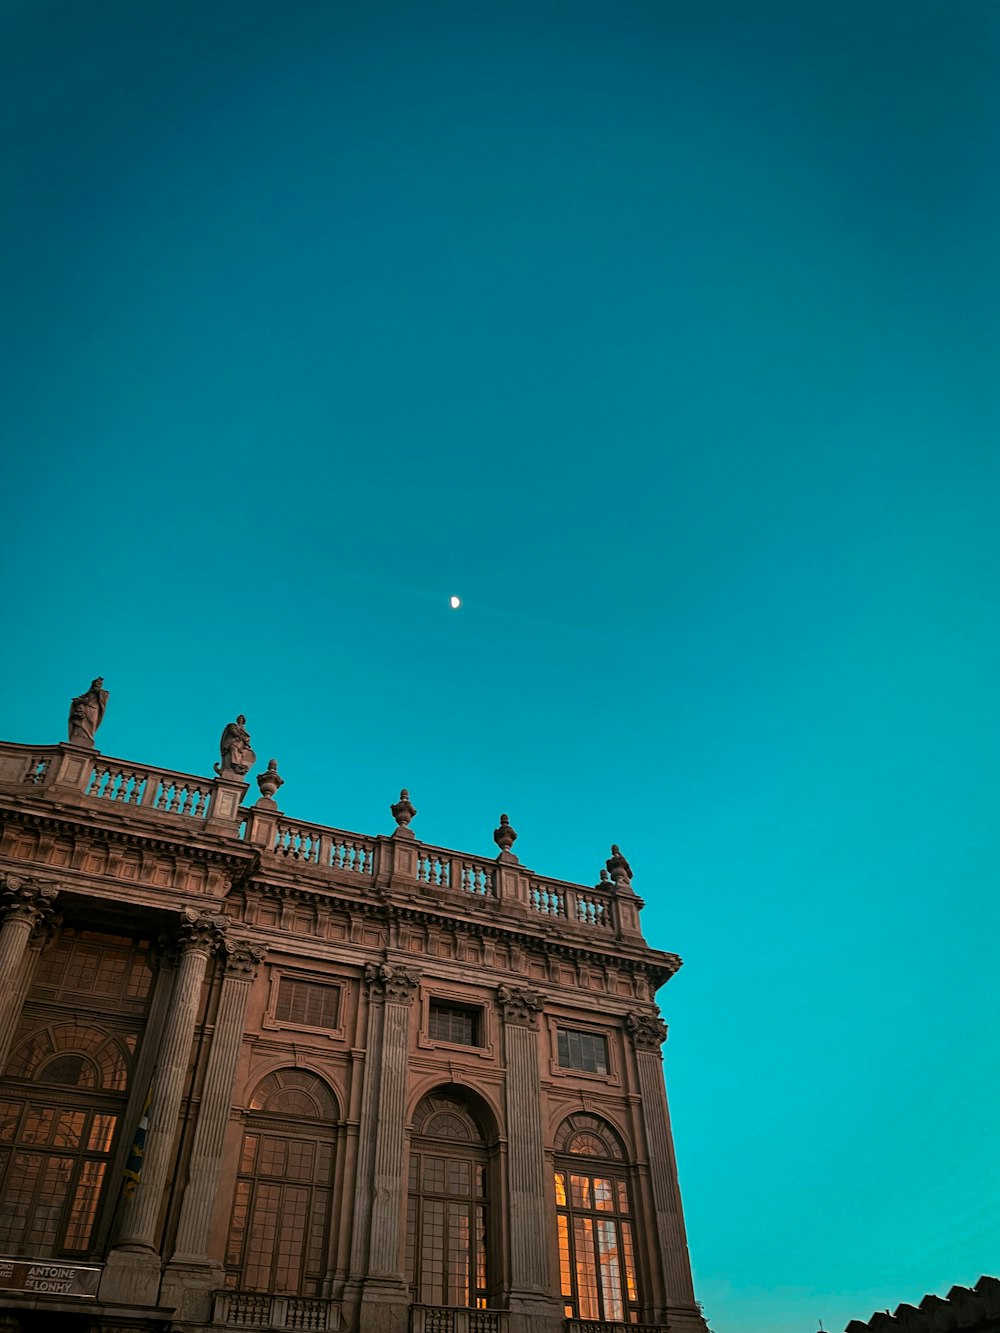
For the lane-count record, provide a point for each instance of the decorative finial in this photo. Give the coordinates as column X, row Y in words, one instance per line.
column 86, row 713
column 504, row 836
column 237, row 758
column 403, row 811
column 618, row 868
column 270, row 781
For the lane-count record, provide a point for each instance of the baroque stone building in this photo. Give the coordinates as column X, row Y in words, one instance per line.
column 258, row 1073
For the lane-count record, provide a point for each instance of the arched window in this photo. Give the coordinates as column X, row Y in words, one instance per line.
column 279, row 1228
column 56, row 1138
column 594, row 1213
column 447, row 1220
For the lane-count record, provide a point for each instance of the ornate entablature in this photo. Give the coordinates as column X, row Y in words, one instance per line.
column 165, row 831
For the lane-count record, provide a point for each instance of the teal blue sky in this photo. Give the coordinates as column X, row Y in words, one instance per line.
column 666, row 336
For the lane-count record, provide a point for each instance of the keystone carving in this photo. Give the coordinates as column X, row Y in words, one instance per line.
column 648, row 1033
column 202, row 930
column 519, row 1005
column 242, row 959
column 396, row 983
column 27, row 900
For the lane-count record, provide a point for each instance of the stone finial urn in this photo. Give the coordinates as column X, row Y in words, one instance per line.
column 504, row 836
column 270, row 781
column 402, row 812
column 619, row 869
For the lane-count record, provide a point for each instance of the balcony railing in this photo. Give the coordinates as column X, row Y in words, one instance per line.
column 456, row 1319
column 252, row 1309
column 612, row 1326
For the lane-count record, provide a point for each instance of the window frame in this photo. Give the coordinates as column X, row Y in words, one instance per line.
column 575, row 1218
column 278, row 974
column 573, row 1023
column 451, row 997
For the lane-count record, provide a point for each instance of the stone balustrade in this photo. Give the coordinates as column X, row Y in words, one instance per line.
column 457, row 1319
column 68, row 773
column 251, row 1309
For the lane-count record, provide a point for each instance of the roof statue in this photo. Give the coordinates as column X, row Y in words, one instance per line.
column 234, row 747
column 86, row 713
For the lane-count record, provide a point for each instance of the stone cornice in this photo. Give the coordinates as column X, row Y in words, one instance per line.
column 520, row 933
column 137, row 833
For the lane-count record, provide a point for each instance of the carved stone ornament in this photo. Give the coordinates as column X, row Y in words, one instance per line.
column 270, row 781
column 26, row 899
column 648, row 1032
column 402, row 811
column 396, row 983
column 243, row 959
column 202, row 930
column 619, row 869
column 504, row 836
column 519, row 1005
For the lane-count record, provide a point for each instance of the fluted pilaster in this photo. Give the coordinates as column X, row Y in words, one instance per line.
column 242, row 961
column 647, row 1032
column 527, row 1175
column 397, row 987
column 200, row 936
column 26, row 906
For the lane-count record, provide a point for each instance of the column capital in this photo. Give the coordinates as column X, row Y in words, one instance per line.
column 202, row 932
column 26, row 899
column 392, row 981
column 520, row 1005
column 242, row 959
column 648, row 1031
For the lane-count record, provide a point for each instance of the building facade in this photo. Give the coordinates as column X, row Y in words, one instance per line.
column 264, row 1074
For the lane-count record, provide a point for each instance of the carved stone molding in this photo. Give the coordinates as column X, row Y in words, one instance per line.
column 27, row 900
column 202, row 930
column 395, row 983
column 242, row 959
column 648, row 1032
column 519, row 1005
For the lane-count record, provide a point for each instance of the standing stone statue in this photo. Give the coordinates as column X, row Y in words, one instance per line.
column 86, row 714
column 237, row 757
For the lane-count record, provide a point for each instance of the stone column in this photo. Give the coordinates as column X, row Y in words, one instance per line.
column 530, row 1299
column 133, row 1272
column 191, row 1248
column 384, row 1305
column 648, row 1033
column 27, row 906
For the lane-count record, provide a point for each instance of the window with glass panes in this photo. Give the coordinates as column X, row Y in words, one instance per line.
column 278, row 1230
column 65, row 1092
column 454, row 1023
column 583, row 1050
column 309, row 1003
column 446, row 1232
column 597, row 1268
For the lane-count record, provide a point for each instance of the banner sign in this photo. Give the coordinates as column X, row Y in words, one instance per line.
column 46, row 1277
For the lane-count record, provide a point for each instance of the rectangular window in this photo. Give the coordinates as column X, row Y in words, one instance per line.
column 454, row 1023
column 308, row 1003
column 583, row 1050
